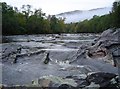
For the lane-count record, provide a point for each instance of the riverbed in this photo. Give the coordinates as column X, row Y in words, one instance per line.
column 31, row 51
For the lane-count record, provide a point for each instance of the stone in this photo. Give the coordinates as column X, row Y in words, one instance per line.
column 92, row 86
column 47, row 59
column 54, row 81
column 101, row 78
column 110, row 39
column 80, row 80
column 10, row 51
column 65, row 86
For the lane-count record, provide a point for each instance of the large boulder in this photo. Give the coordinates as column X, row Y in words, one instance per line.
column 102, row 54
column 106, row 46
column 110, row 39
column 101, row 78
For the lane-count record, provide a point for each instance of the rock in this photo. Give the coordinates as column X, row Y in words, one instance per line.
column 92, row 86
column 105, row 48
column 54, row 81
column 65, row 86
column 114, row 83
column 101, row 78
column 10, row 52
column 80, row 54
column 77, row 77
column 110, row 39
column 47, row 59
column 80, row 80
column 109, row 35
column 88, row 59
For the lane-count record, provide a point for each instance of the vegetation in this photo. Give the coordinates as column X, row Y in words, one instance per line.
column 29, row 22
column 98, row 23
column 36, row 22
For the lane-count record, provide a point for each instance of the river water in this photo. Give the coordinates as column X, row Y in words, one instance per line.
column 30, row 66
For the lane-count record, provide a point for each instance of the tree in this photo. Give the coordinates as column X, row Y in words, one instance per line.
column 26, row 10
column 9, row 22
column 116, row 14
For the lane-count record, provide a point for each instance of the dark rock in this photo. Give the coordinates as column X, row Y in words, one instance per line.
column 65, row 86
column 80, row 81
column 46, row 61
column 101, row 78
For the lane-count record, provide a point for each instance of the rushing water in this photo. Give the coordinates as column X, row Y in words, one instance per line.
column 29, row 67
column 51, row 41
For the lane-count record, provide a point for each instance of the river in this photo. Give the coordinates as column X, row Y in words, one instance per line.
column 33, row 50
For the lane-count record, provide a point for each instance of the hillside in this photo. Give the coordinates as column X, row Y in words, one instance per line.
column 80, row 15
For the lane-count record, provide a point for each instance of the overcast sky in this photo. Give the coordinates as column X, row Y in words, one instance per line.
column 58, row 6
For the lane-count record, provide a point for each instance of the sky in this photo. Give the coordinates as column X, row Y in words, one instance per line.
column 53, row 7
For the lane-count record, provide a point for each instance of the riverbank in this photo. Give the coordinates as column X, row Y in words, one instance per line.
column 70, row 62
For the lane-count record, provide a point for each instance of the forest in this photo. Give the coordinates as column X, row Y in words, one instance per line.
column 26, row 21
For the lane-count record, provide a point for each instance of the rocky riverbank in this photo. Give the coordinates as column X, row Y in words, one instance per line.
column 81, row 61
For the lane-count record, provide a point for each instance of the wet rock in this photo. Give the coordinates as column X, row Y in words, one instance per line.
column 110, row 39
column 92, row 86
column 10, row 52
column 80, row 55
column 77, row 77
column 53, row 81
column 114, row 83
column 106, row 48
column 80, row 80
column 101, row 78
column 65, row 86
column 47, row 59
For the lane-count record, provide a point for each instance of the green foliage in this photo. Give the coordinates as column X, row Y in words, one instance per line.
column 116, row 14
column 98, row 24
column 29, row 22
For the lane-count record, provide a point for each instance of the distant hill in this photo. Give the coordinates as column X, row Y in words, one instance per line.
column 80, row 15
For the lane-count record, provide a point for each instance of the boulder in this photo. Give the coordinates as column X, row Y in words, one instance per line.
column 65, row 86
column 54, row 81
column 80, row 80
column 110, row 39
column 101, row 78
column 10, row 52
column 106, row 47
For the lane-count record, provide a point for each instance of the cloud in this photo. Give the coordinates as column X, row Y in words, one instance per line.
column 58, row 6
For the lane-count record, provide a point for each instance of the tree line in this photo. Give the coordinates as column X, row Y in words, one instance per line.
column 98, row 23
column 27, row 21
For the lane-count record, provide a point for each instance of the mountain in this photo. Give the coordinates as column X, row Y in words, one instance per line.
column 80, row 15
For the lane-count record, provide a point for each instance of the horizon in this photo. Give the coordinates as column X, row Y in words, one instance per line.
column 57, row 7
